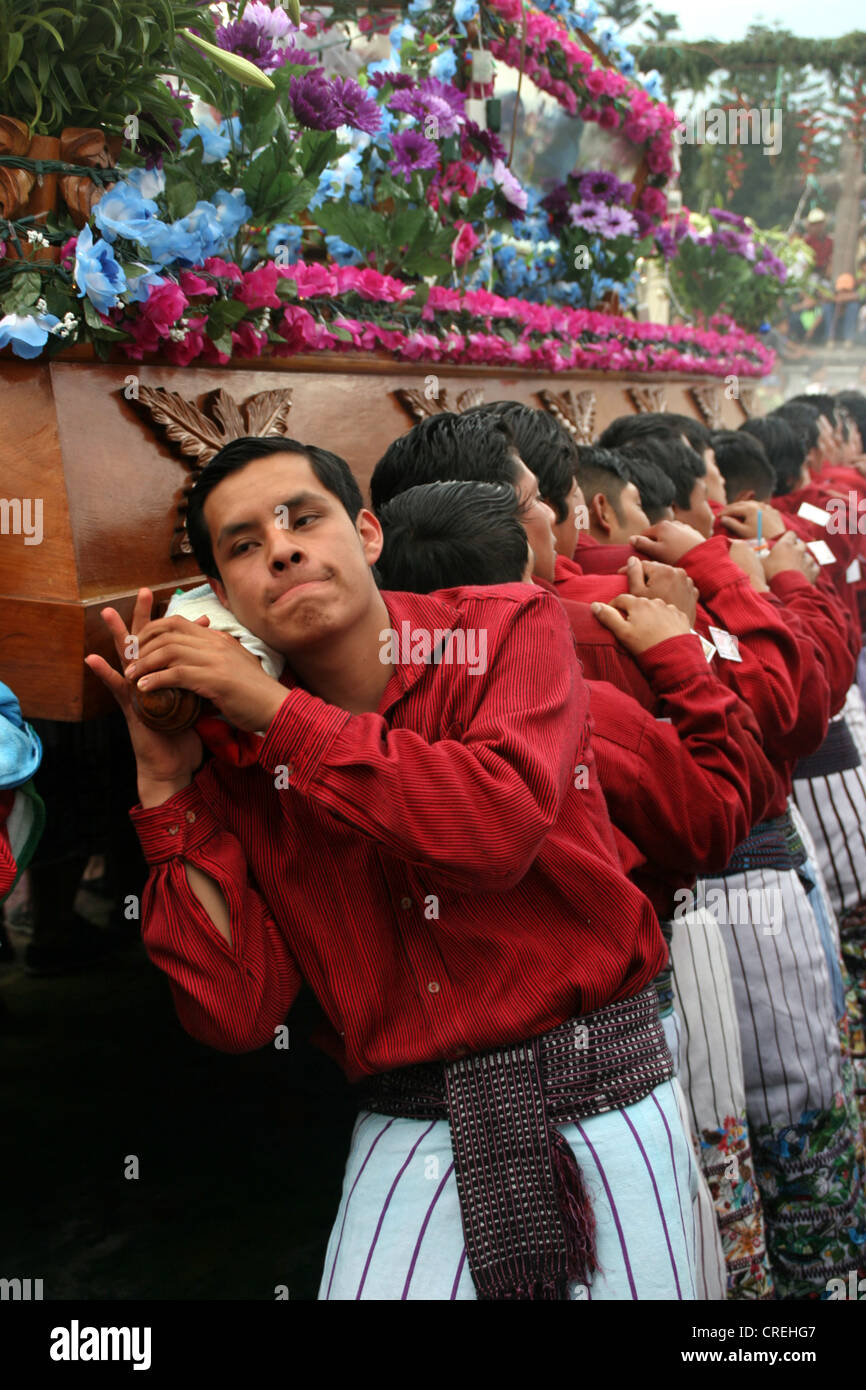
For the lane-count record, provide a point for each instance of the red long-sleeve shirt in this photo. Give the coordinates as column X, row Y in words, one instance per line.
column 570, row 582
column 682, row 795
column 431, row 869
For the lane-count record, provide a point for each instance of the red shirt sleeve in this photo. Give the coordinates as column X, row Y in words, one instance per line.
column 231, row 997
column 825, row 620
column 476, row 808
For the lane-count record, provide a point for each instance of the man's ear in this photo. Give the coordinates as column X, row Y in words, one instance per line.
column 600, row 512
column 370, row 532
column 746, row 494
column 219, row 590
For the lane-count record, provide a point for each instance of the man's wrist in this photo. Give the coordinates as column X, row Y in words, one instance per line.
column 152, row 793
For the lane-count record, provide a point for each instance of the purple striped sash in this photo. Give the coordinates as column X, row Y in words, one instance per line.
column 838, row 753
column 527, row 1219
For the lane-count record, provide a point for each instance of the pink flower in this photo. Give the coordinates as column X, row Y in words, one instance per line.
column 595, row 83
column 369, row 284
column 193, row 284
column 164, row 306
column 608, row 118
column 298, row 327
column 248, row 341
column 659, row 158
column 310, row 279
column 225, row 270
column 464, row 243
column 420, row 345
column 259, row 288
column 190, row 347
column 67, row 252
column 653, row 201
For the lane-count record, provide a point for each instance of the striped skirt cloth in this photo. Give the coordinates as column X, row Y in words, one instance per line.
column 398, row 1233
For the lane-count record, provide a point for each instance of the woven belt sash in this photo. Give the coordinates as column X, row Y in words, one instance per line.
column 527, row 1220
column 775, row 844
column 838, row 753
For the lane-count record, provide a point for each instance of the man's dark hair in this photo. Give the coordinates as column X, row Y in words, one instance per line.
column 821, row 401
column 332, row 472
column 785, row 450
column 442, row 535
column 446, row 448
column 854, row 402
column 803, row 420
column 604, row 471
column 625, row 429
column 546, row 448
column 641, row 458
column 743, row 463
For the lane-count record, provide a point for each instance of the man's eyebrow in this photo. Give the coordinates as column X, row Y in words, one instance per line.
column 299, row 499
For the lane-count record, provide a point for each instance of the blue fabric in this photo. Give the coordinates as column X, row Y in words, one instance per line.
column 398, row 1233
column 20, row 749
column 828, row 940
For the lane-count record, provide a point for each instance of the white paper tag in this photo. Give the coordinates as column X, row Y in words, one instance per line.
column 816, row 514
column 482, row 65
column 727, row 645
column 852, row 573
column 822, row 552
column 708, row 648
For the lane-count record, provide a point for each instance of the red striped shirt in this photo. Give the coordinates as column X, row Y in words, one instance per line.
column 431, row 869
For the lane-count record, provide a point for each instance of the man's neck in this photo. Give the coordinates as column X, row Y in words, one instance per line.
column 348, row 672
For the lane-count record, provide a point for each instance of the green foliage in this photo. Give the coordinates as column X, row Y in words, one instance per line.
column 96, row 62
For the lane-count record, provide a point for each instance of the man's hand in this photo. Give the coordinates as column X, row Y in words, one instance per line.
column 790, row 553
column 166, row 762
column 641, row 623
column 741, row 519
column 748, row 560
column 174, row 651
column 667, row 541
column 649, row 579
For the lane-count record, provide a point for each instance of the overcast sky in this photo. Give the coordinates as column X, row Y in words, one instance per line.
column 731, row 20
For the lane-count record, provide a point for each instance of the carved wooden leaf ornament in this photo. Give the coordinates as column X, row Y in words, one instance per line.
column 708, row 399
column 747, row 400
column 647, row 400
column 421, row 406
column 200, row 432
column 575, row 412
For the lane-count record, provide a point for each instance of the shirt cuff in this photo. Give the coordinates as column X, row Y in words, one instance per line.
column 673, row 662
column 788, row 582
column 299, row 735
column 176, row 828
column 709, row 567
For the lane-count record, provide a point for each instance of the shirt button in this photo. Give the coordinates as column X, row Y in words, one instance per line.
column 190, row 815
column 433, row 986
column 172, row 829
column 405, row 902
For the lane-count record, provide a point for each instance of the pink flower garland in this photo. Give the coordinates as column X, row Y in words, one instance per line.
column 548, row 337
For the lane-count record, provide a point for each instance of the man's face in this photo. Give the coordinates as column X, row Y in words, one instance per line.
column 565, row 532
column 634, row 519
column 294, row 568
column 698, row 513
column 852, row 447
column 537, row 521
column 713, row 478
column 826, row 439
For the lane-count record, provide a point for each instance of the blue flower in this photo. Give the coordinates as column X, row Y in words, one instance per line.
column 284, row 234
column 97, row 273
column 464, row 10
column 139, row 286
column 28, row 333
column 400, row 32
column 149, row 183
column 341, row 252
column 444, row 65
column 217, row 140
column 122, row 211
column 232, row 211
column 652, row 84
column 419, row 7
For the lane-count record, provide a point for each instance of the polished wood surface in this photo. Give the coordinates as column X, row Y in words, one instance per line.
column 110, row 482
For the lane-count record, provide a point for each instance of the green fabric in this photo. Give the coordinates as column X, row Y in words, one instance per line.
column 24, row 826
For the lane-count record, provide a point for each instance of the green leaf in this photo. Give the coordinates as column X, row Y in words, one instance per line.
column 317, row 149
column 356, row 225
column 224, row 314
column 181, row 196
column 14, row 51
column 26, row 288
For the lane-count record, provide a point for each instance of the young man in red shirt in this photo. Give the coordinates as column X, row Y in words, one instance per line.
column 412, row 842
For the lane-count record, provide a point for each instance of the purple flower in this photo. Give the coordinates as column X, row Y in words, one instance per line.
column 588, row 215
column 643, row 222
column 721, row 215
column 618, row 222
column 514, row 193
column 432, row 89
column 485, row 140
column 354, row 106
column 398, row 80
column 556, row 204
column 412, row 151
column 313, row 102
column 665, row 242
column 247, row 40
column 600, row 185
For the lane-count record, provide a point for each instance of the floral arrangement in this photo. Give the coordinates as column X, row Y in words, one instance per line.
column 312, row 211
column 723, row 262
